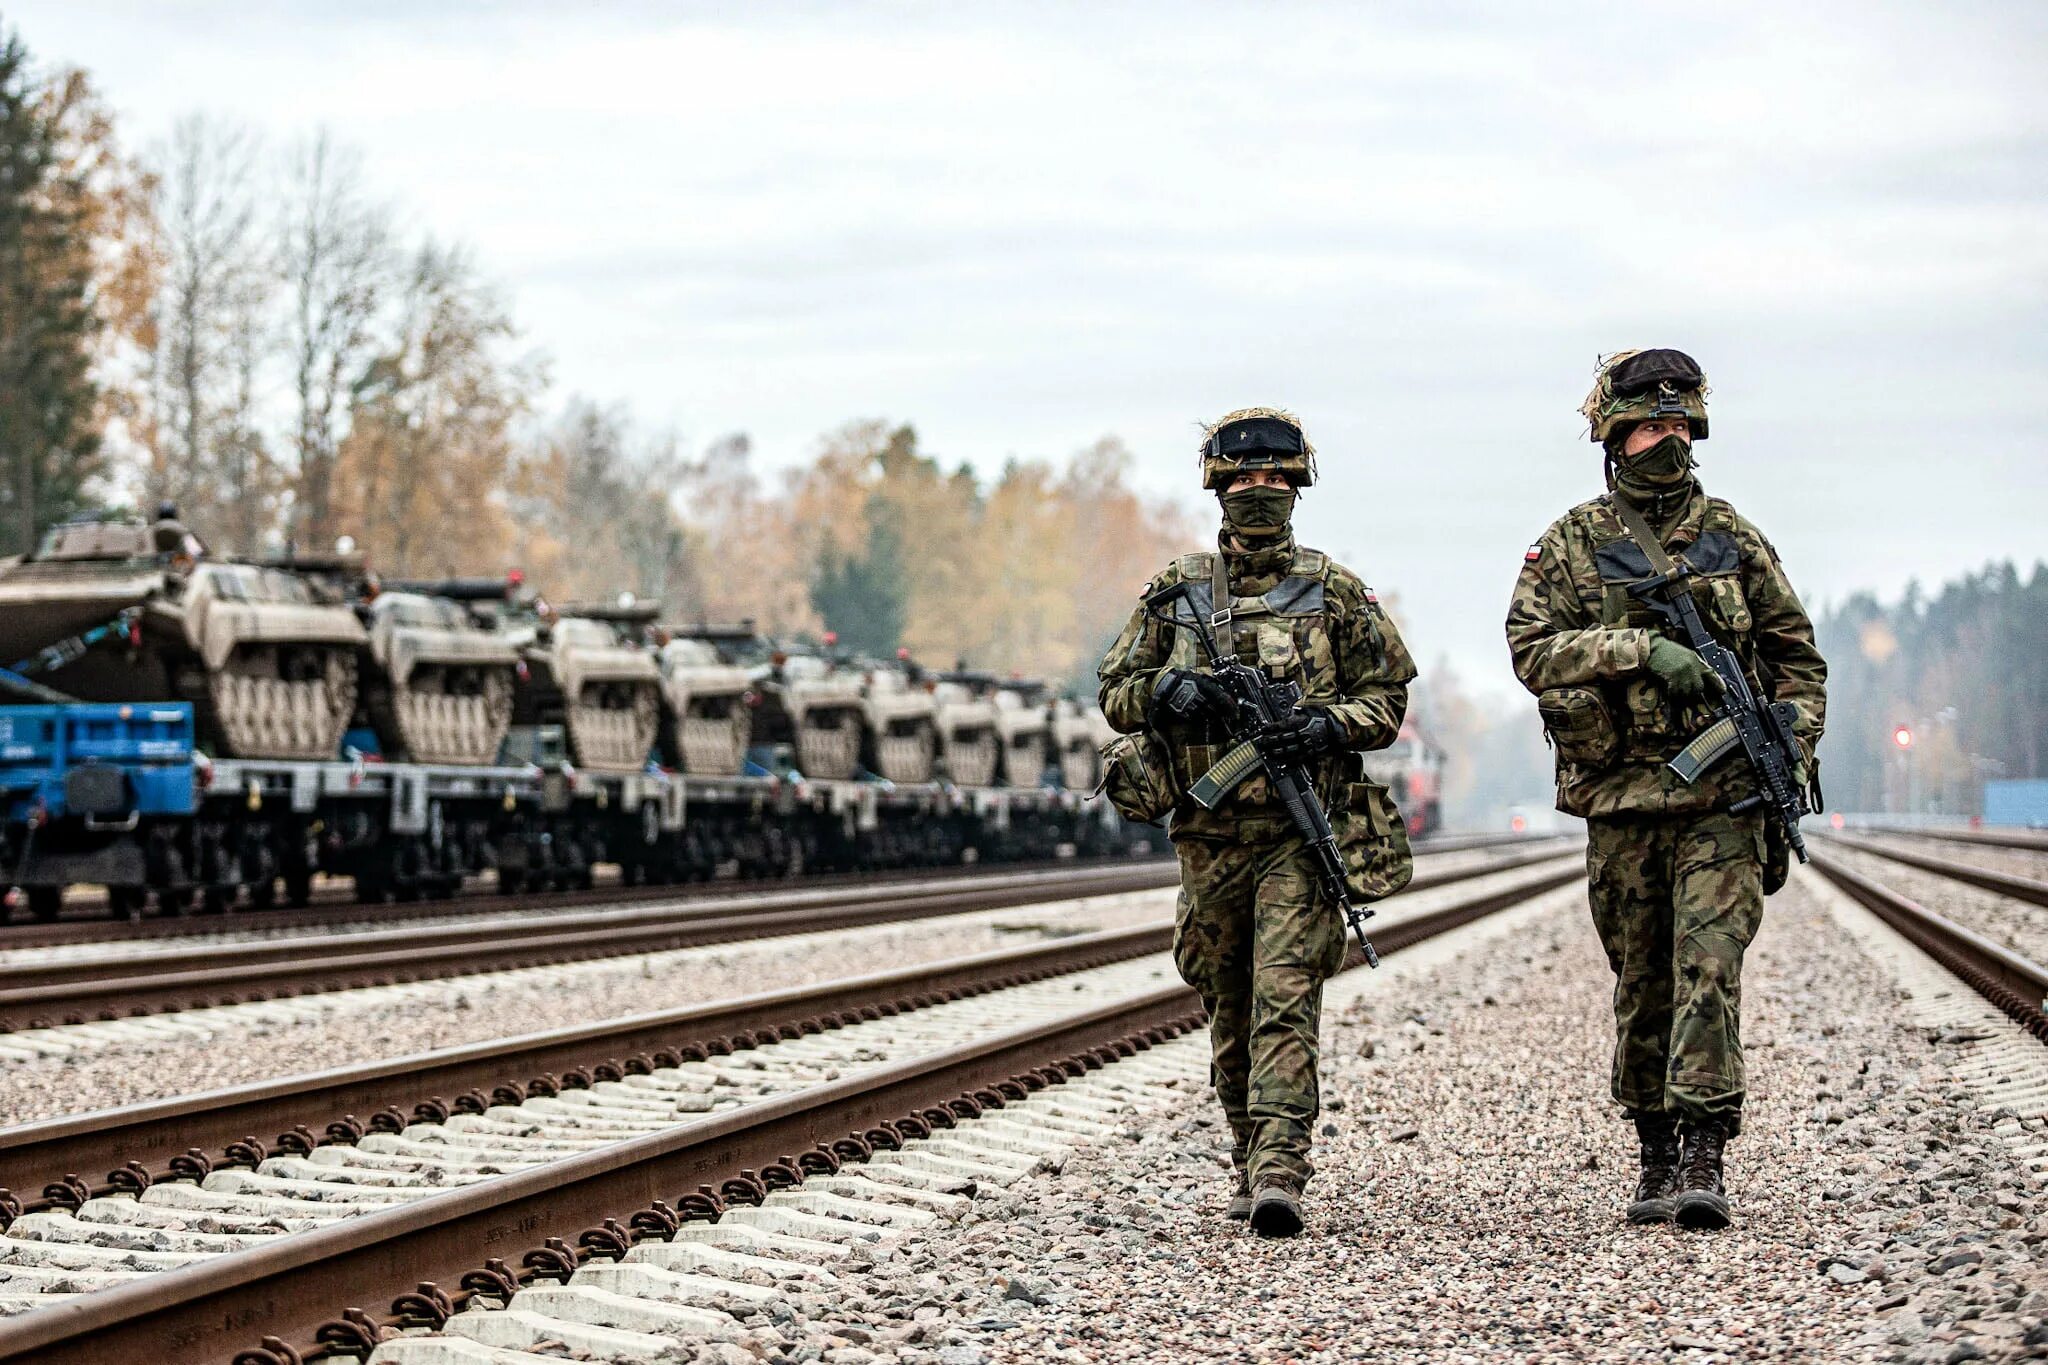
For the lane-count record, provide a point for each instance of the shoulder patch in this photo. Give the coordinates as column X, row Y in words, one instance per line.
column 1535, row 553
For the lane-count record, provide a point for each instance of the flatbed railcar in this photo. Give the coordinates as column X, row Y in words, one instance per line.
column 116, row 795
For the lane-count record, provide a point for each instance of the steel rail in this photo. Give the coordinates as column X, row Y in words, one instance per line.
column 110, row 1151
column 597, row 1204
column 335, row 905
column 2011, row 836
column 2016, row 985
column 2028, row 889
column 76, row 992
column 105, row 988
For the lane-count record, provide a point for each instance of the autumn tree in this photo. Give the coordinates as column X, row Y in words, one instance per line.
column 211, row 329
column 49, row 438
column 337, row 261
column 419, row 479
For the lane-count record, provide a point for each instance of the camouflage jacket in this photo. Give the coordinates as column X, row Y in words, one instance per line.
column 1573, row 624
column 1299, row 614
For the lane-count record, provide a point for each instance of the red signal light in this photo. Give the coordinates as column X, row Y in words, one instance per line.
column 1902, row 735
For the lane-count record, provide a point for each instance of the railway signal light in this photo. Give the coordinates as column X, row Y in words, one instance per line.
column 1902, row 735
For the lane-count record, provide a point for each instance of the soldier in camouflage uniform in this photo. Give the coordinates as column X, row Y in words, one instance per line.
column 1677, row 876
column 1252, row 936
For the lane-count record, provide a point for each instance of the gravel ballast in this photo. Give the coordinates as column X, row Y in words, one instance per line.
column 205, row 1049
column 1472, row 1177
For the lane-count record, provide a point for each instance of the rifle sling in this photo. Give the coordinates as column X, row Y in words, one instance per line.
column 1220, row 613
column 1639, row 531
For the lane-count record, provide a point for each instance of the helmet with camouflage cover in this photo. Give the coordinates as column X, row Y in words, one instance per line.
column 1634, row 386
column 1256, row 438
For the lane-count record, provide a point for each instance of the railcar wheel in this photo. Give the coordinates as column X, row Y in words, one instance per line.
column 44, row 902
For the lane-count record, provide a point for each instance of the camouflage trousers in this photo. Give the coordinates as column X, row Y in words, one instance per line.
column 1253, row 941
column 1677, row 899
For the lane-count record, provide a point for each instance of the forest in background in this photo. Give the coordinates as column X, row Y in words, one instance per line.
column 251, row 332
column 1965, row 669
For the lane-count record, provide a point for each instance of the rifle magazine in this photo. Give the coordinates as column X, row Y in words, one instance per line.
column 1707, row 748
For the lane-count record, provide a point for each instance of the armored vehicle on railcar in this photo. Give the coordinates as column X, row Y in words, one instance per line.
column 588, row 674
column 126, row 611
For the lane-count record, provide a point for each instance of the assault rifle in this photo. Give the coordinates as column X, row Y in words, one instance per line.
column 1259, row 702
column 1761, row 730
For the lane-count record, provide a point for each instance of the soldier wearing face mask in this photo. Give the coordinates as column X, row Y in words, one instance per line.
column 1253, row 936
column 1678, row 872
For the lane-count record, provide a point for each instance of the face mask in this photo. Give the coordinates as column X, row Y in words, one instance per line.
column 1258, row 513
column 1659, row 469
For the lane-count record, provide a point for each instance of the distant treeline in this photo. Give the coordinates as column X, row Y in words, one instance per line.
column 1966, row 670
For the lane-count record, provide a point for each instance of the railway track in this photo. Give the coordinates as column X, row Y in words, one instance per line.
column 2028, row 889
column 2033, row 840
column 671, row 1162
column 2015, row 984
column 112, row 986
column 335, row 906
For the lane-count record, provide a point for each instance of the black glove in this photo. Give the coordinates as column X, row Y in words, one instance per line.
column 1301, row 736
column 1184, row 696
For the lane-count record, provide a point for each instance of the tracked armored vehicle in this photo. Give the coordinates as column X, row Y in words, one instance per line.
column 969, row 745
column 1078, row 732
column 437, row 679
column 902, row 723
column 815, row 707
column 707, row 719
column 1025, row 732
column 588, row 674
column 124, row 611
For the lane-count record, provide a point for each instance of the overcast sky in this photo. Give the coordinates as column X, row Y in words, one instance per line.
column 1023, row 226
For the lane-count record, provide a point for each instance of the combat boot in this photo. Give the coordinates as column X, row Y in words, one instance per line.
column 1276, row 1211
column 1240, row 1206
column 1701, row 1203
column 1657, row 1189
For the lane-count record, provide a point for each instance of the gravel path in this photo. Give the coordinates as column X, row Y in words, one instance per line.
column 232, row 1044
column 1469, row 1205
column 2014, row 923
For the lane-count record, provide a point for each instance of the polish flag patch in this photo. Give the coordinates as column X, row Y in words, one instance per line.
column 1535, row 553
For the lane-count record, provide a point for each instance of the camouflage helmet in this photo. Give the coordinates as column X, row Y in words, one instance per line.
column 1256, row 438
column 1634, row 386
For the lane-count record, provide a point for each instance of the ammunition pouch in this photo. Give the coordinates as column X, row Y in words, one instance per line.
column 1580, row 727
column 1373, row 838
column 1137, row 777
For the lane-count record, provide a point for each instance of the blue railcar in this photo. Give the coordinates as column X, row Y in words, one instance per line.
column 81, row 785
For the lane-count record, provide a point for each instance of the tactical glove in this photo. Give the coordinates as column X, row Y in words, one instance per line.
column 1184, row 696
column 1302, row 736
column 1685, row 675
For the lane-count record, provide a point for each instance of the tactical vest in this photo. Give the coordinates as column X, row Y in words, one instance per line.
column 1652, row 727
column 1284, row 632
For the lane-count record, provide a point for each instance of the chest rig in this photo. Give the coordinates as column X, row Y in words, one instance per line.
column 1712, row 550
column 1262, row 629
